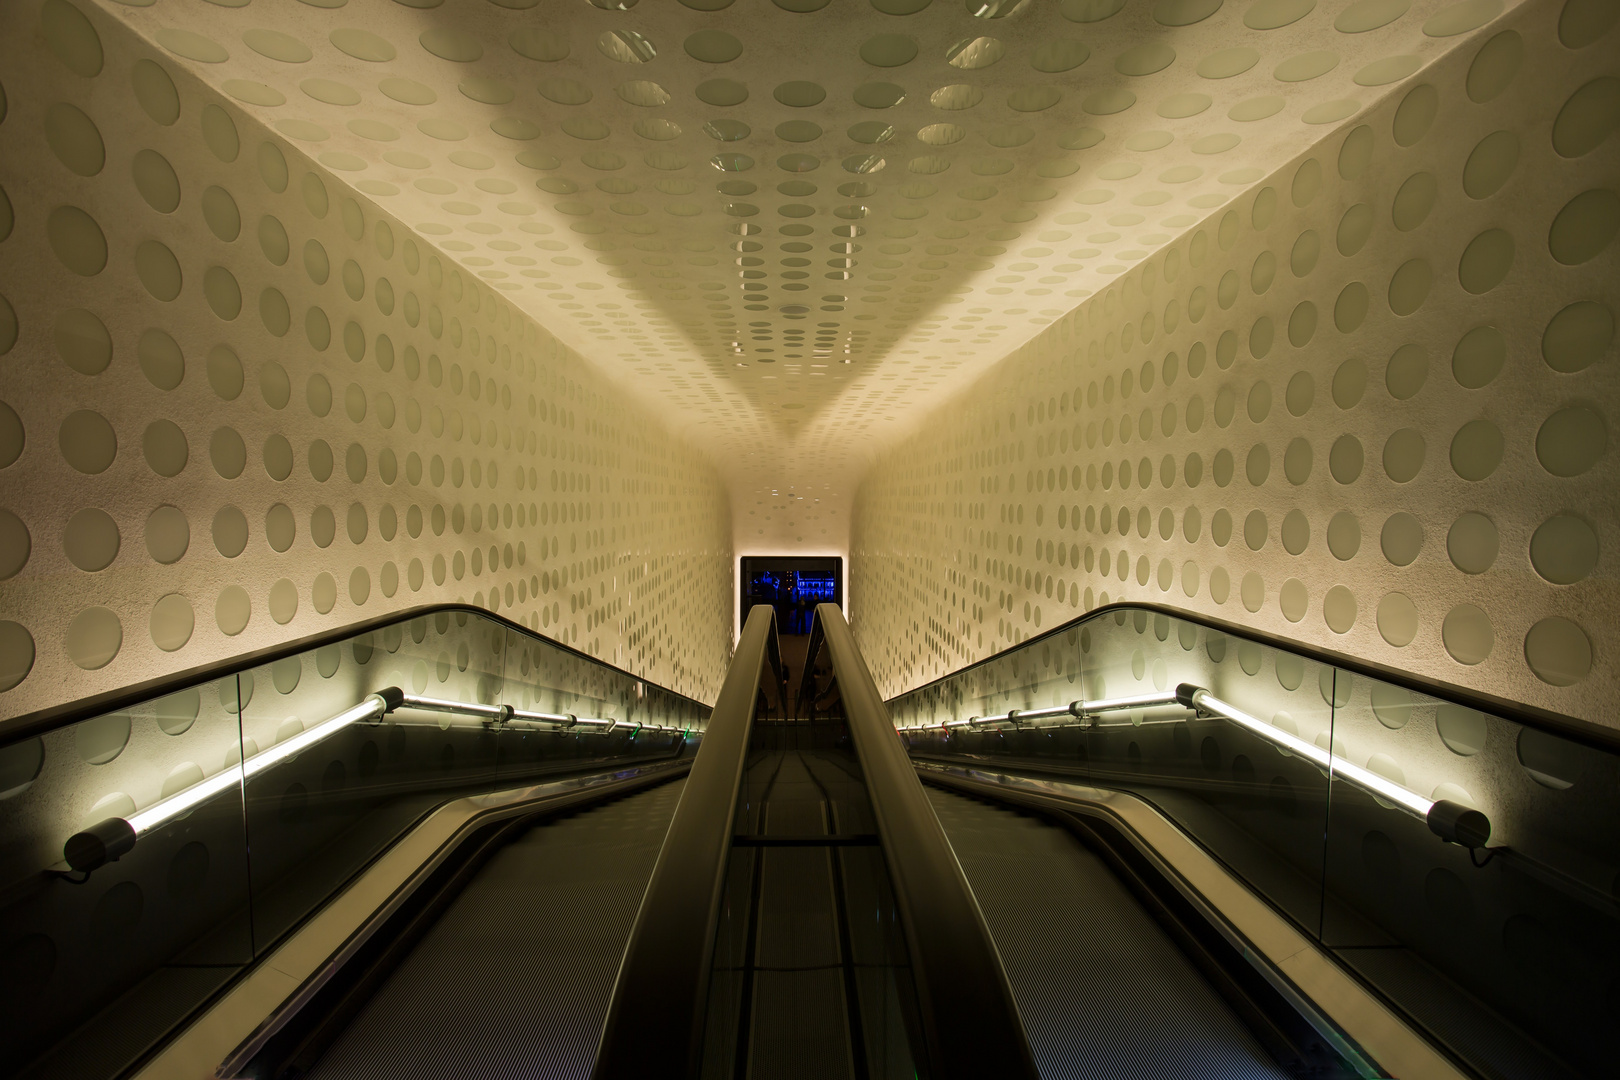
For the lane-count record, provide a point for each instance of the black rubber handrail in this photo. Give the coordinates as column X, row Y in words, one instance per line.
column 970, row 1020
column 654, row 1024
column 27, row 725
column 1585, row 732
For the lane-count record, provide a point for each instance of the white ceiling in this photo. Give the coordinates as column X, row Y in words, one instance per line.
column 797, row 226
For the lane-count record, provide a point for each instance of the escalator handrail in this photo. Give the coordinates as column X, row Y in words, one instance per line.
column 1585, row 732
column 970, row 1020
column 654, row 1024
column 29, row 725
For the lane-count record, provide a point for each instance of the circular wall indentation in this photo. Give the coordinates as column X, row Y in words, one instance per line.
column 1345, row 459
column 1403, row 455
column 1253, row 591
column 158, row 270
column 1354, row 229
column 1564, row 549
column 1558, row 651
column 1415, row 114
column 1581, row 22
column 1227, row 63
column 364, row 45
column 1344, row 535
column 1486, row 261
column 1577, row 336
column 155, row 91
column 1476, row 450
column 15, row 544
column 232, row 610
column 87, row 441
column 1406, row 372
column 1410, row 286
column 160, row 358
column 1293, row 599
column 1588, row 118
column 1414, row 200
column 94, row 637
column 1356, row 152
column 228, row 453
column 1491, row 163
column 280, row 527
column 71, row 38
column 222, row 292
column 1272, row 14
column 164, row 445
column 230, row 531
column 1571, row 441
column 90, row 539
column 171, row 623
column 722, row 93
column 74, row 139
column 1479, row 357
column 283, row 601
column 16, row 654
column 1349, row 383
column 717, row 47
column 1467, row 634
column 12, row 436
column 156, row 180
column 1295, row 532
column 1494, row 66
column 323, row 594
column 168, row 534
column 1339, row 609
column 1397, row 619
column 1584, row 227
column 83, row 342
column 1473, row 543
column 77, row 240
column 1401, row 539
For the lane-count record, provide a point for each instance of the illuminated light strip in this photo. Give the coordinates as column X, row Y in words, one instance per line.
column 1076, row 708
column 108, row 839
column 1381, row 786
column 1449, row 820
column 144, row 821
column 504, row 713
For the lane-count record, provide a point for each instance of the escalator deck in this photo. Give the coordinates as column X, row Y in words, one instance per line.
column 514, row 979
column 1102, row 989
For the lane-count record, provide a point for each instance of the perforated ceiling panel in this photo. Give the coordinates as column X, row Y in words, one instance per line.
column 795, row 226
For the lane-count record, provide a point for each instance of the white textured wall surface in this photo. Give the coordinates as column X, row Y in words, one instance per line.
column 1370, row 406
column 238, row 406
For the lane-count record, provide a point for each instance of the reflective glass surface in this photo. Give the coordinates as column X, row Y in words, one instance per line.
column 1313, row 784
column 251, row 799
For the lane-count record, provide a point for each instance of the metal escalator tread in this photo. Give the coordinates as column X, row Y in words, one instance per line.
column 1102, row 990
column 514, row 979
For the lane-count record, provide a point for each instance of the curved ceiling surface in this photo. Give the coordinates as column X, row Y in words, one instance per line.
column 796, row 226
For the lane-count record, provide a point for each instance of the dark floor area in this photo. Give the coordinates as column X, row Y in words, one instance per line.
column 1104, row 993
column 514, row 979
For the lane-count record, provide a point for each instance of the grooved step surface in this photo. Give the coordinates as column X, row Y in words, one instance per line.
column 1103, row 992
column 514, row 978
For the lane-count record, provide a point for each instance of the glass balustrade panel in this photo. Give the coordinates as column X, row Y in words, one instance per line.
column 140, row 940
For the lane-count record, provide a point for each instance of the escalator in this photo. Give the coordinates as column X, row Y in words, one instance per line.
column 481, row 855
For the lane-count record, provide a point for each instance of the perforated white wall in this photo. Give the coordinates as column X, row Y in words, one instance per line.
column 1367, row 406
column 241, row 405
